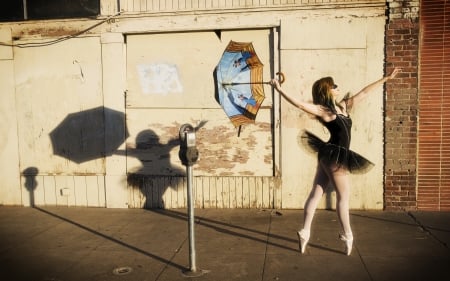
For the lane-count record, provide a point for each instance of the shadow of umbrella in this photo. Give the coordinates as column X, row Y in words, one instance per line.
column 89, row 134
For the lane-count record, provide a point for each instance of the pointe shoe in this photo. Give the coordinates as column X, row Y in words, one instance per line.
column 303, row 238
column 348, row 239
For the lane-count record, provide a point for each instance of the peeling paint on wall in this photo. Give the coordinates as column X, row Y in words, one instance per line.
column 159, row 78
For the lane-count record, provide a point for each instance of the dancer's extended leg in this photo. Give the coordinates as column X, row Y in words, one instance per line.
column 341, row 182
column 342, row 185
column 320, row 182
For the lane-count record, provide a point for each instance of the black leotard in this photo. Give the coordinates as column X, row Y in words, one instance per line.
column 337, row 150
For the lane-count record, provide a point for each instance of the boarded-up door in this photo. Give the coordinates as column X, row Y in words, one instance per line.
column 170, row 82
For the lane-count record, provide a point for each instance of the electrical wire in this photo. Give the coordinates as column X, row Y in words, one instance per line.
column 55, row 41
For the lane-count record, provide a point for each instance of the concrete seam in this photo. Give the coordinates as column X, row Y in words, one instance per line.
column 428, row 231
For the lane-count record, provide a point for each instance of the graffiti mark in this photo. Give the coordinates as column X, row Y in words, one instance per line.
column 81, row 70
column 159, row 79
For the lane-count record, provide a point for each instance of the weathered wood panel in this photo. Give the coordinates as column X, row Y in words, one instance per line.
column 167, row 87
column 186, row 5
column 208, row 192
column 54, row 190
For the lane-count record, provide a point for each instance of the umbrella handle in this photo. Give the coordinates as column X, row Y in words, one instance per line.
column 282, row 77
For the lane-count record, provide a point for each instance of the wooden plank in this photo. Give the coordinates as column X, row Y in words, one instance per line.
column 35, row 191
column 252, row 192
column 182, row 192
column 239, row 193
column 172, row 189
column 169, row 192
column 152, row 185
column 80, row 191
column 245, row 193
column 60, row 185
column 140, row 194
column 198, row 192
column 92, row 191
column 71, row 186
column 207, row 189
column 212, row 192
column 259, row 189
column 101, row 191
column 226, row 192
column 208, row 192
column 278, row 193
column 271, row 193
column 49, row 190
column 218, row 183
column 232, row 190
column 165, row 195
column 264, row 192
column 130, row 193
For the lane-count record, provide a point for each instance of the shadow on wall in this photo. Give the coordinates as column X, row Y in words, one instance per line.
column 31, row 183
column 157, row 173
column 90, row 134
column 99, row 132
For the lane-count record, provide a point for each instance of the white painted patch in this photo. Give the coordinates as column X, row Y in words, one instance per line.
column 159, row 78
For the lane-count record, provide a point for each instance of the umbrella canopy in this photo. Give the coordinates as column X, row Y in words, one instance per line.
column 89, row 134
column 239, row 84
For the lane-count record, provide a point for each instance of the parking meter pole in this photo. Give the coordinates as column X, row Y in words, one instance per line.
column 189, row 155
column 192, row 256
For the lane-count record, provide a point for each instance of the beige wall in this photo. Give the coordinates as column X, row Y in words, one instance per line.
column 264, row 167
column 351, row 51
column 9, row 158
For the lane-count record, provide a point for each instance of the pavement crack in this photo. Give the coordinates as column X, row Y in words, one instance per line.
column 425, row 229
column 267, row 246
column 170, row 261
column 363, row 262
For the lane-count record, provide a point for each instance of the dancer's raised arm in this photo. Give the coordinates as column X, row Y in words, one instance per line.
column 311, row 108
column 362, row 94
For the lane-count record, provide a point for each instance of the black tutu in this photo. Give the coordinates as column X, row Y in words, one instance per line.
column 336, row 155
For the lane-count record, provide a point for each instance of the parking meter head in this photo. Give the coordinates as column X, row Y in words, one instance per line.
column 188, row 153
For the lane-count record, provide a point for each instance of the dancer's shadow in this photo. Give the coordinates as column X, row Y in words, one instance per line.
column 157, row 172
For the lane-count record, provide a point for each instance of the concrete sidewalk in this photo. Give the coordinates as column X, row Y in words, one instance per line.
column 85, row 244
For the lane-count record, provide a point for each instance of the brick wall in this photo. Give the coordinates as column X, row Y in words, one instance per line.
column 433, row 170
column 402, row 45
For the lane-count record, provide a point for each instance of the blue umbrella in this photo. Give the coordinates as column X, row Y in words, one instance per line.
column 239, row 83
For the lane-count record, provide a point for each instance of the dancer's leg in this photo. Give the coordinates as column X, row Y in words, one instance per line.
column 320, row 183
column 341, row 182
column 342, row 185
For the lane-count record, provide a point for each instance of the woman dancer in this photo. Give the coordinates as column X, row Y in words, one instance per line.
column 335, row 159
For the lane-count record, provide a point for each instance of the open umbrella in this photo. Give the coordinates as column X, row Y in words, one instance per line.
column 89, row 134
column 239, row 82
column 236, row 74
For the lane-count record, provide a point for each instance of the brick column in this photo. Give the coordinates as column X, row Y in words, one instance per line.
column 401, row 105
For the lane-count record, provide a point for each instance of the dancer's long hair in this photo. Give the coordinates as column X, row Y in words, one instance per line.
column 321, row 93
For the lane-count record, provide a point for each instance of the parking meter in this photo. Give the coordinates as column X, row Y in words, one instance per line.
column 188, row 151
column 189, row 155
